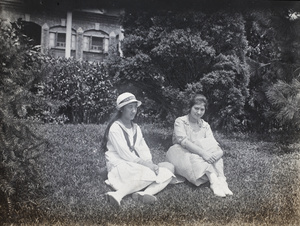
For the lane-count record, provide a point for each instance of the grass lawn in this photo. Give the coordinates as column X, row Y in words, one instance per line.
column 263, row 175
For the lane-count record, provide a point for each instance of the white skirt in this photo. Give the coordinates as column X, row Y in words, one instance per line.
column 189, row 165
column 127, row 172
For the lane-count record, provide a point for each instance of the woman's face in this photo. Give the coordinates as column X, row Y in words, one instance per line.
column 197, row 111
column 129, row 111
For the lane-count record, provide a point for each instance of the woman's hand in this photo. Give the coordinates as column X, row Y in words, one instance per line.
column 209, row 157
column 151, row 165
column 213, row 155
column 154, row 168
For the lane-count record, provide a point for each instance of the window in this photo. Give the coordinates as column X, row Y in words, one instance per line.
column 95, row 44
column 58, row 40
column 95, row 41
column 61, row 40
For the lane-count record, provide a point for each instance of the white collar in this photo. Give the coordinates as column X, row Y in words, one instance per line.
column 134, row 126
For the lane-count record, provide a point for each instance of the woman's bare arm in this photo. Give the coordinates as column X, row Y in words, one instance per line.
column 209, row 157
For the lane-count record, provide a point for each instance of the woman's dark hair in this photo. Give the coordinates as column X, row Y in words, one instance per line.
column 114, row 118
column 198, row 99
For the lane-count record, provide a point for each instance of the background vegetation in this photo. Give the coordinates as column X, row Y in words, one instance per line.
column 244, row 59
column 232, row 55
column 84, row 89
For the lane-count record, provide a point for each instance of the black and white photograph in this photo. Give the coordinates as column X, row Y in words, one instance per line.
column 149, row 112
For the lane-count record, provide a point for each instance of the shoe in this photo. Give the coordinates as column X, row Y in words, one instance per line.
column 112, row 199
column 177, row 179
column 149, row 199
column 224, row 186
column 217, row 189
column 137, row 196
column 145, row 198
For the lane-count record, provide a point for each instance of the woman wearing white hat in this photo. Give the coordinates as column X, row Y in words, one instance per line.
column 128, row 158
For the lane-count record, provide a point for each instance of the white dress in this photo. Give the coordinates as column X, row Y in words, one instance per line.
column 189, row 165
column 122, row 163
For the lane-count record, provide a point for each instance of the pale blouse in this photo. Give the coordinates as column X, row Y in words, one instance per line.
column 183, row 132
column 118, row 150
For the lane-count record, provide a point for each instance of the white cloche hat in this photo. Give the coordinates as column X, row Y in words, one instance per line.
column 126, row 98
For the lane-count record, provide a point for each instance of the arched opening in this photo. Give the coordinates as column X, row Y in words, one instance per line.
column 31, row 30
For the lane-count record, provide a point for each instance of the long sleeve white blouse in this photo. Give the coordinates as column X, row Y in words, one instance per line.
column 118, row 150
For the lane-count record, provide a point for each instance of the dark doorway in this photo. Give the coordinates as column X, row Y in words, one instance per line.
column 31, row 30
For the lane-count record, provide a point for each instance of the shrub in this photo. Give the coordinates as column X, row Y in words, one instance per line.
column 285, row 99
column 19, row 70
column 84, row 88
column 170, row 55
column 273, row 36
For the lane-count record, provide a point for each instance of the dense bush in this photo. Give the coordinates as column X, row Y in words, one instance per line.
column 19, row 146
column 232, row 56
column 84, row 88
column 27, row 90
column 170, row 55
column 285, row 100
column 273, row 37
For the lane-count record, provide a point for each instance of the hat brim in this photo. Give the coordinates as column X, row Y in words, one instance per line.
column 128, row 102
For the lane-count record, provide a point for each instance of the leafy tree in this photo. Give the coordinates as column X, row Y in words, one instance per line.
column 285, row 100
column 19, row 70
column 273, row 37
column 171, row 54
column 226, row 84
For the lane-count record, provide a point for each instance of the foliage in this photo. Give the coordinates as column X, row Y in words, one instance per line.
column 84, row 88
column 231, row 55
column 19, row 71
column 227, row 83
column 170, row 52
column 273, row 37
column 285, row 98
column 20, row 180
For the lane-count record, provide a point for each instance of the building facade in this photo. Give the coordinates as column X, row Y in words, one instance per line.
column 84, row 34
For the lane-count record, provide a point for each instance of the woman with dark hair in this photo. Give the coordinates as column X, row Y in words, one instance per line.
column 128, row 158
column 196, row 154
